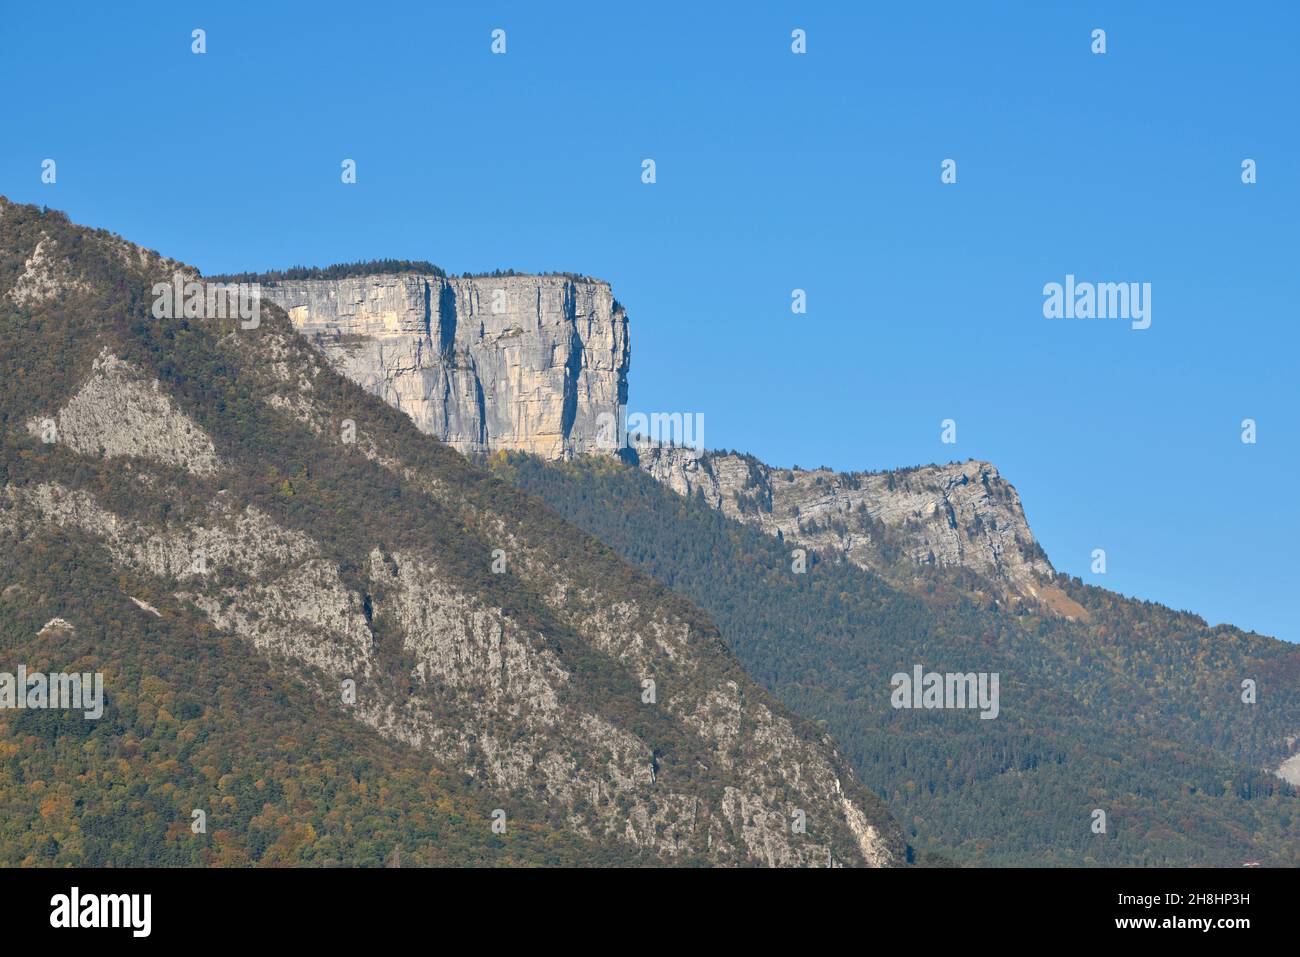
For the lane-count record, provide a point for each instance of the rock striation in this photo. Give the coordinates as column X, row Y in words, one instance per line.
column 483, row 363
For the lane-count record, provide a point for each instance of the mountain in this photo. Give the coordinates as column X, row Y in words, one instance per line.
column 177, row 484
column 1108, row 703
column 539, row 364
column 194, row 722
column 1132, row 709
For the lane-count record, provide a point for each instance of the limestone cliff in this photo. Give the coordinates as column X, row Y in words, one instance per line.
column 530, row 363
column 960, row 515
column 515, row 362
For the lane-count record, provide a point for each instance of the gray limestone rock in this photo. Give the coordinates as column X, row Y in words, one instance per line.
column 485, row 363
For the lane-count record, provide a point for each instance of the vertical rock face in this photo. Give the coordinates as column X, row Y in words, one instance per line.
column 957, row 515
column 483, row 363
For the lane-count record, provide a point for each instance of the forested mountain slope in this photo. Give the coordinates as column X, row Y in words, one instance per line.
column 224, row 475
column 1136, row 711
column 193, row 722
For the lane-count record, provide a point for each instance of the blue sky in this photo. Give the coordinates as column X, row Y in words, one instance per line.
column 777, row 172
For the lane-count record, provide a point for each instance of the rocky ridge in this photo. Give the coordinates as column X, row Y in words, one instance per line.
column 962, row 515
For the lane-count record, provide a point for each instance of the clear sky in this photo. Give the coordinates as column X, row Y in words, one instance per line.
column 778, row 171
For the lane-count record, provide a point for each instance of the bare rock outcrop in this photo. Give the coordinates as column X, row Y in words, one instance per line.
column 45, row 275
column 483, row 363
column 118, row 412
column 959, row 515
